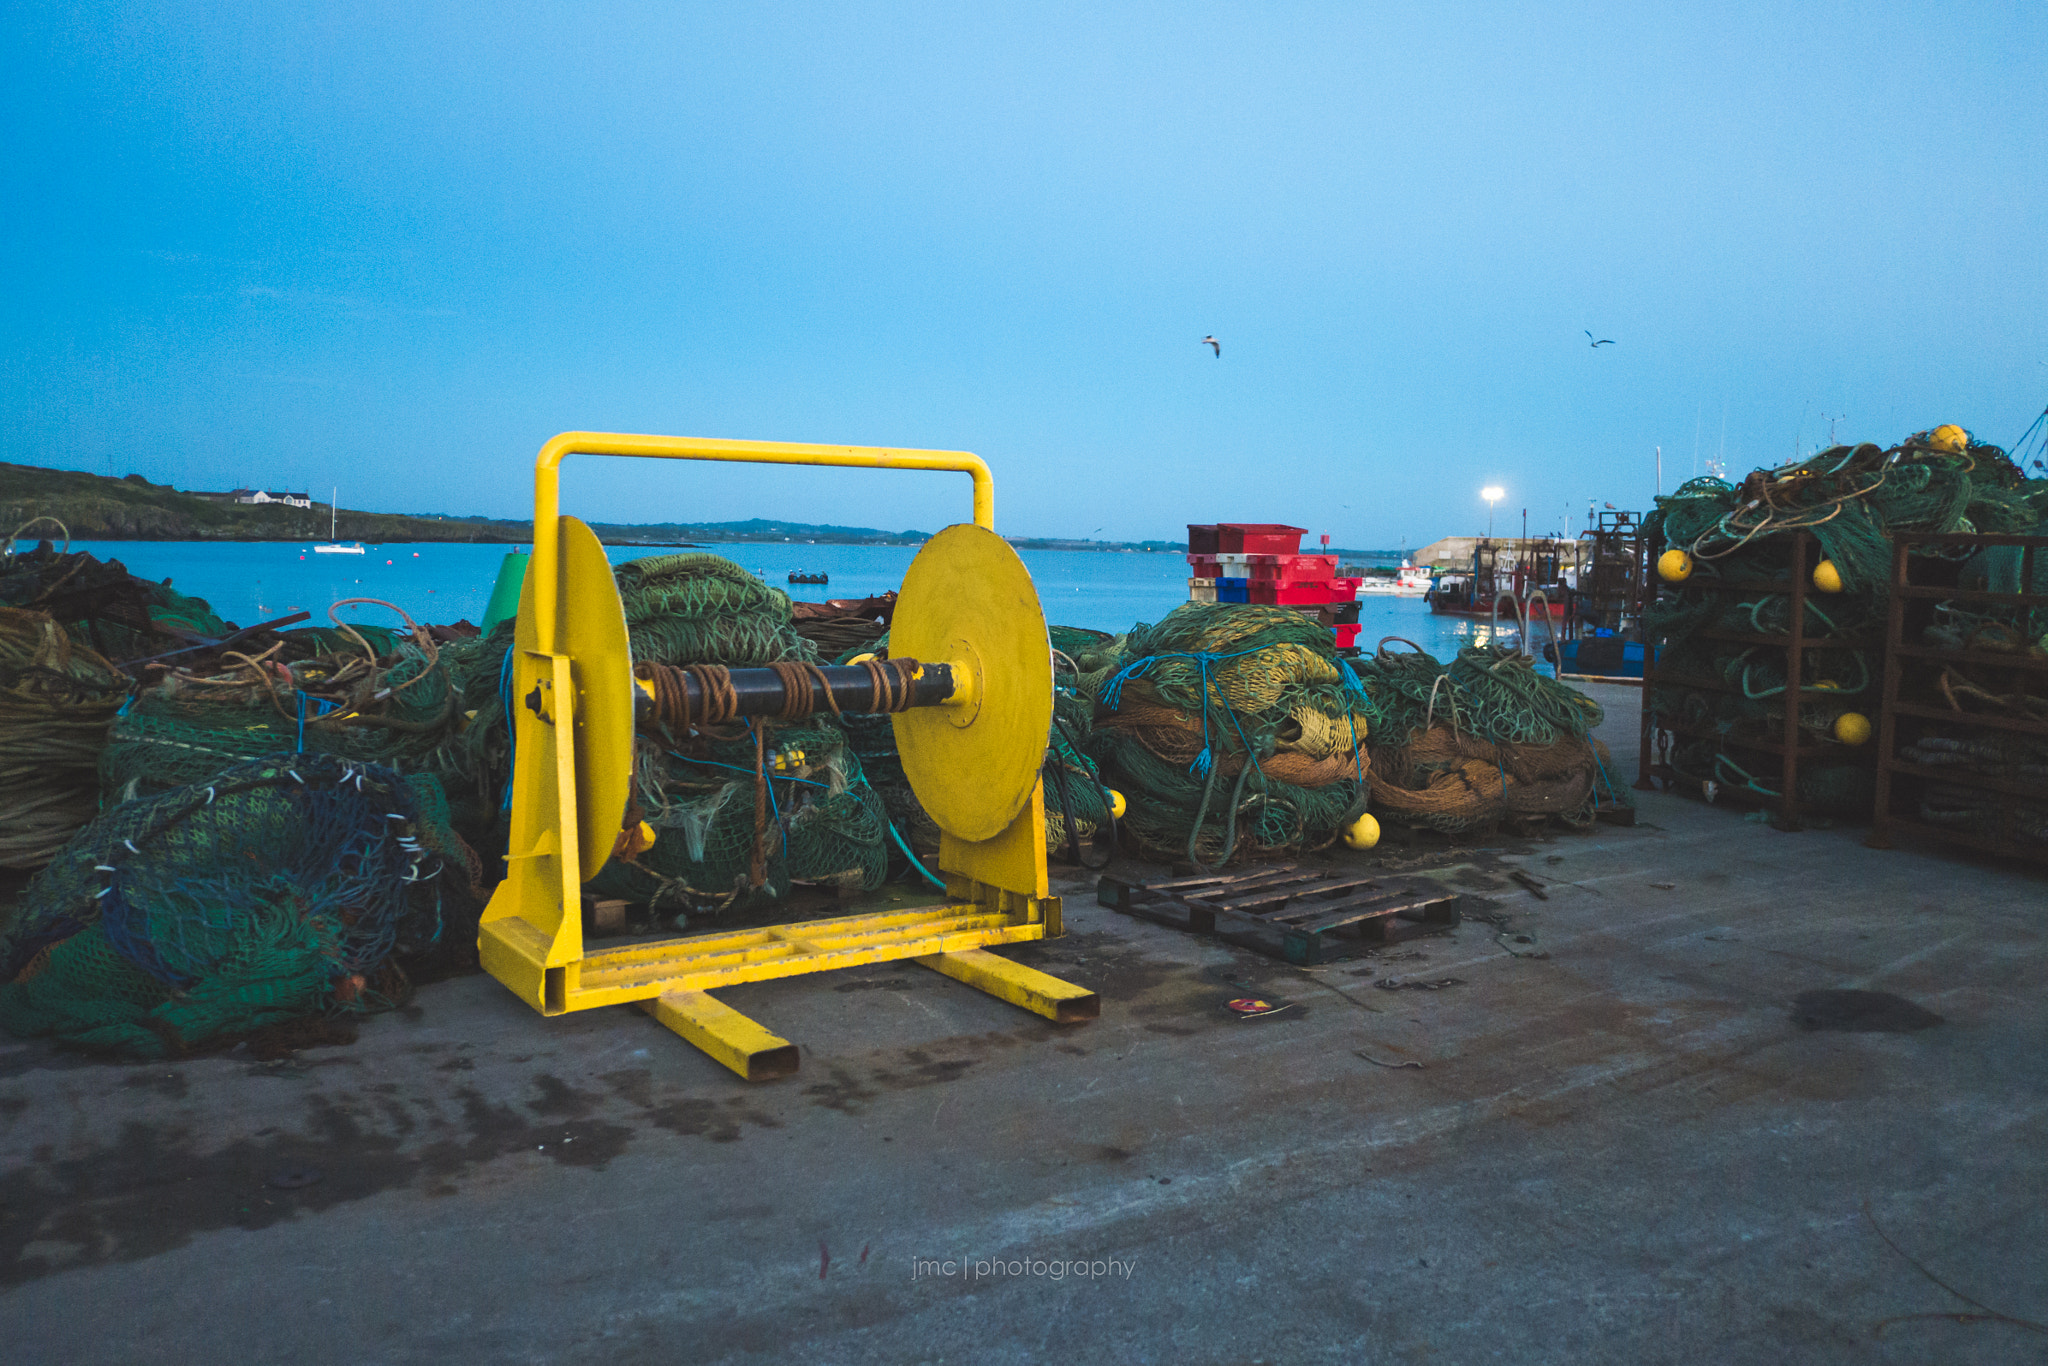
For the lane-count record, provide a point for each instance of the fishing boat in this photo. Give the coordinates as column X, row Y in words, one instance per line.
column 1525, row 577
column 334, row 546
column 1409, row 581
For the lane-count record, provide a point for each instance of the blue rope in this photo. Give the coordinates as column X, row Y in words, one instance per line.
column 690, row 759
column 322, row 706
column 1603, row 774
column 511, row 730
column 912, row 857
column 1112, row 691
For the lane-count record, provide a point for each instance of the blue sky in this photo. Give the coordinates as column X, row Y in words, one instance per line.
column 395, row 247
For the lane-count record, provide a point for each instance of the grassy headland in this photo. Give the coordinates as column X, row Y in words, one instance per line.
column 97, row 508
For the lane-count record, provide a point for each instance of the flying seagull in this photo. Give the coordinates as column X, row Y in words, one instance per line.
column 1604, row 341
column 1217, row 346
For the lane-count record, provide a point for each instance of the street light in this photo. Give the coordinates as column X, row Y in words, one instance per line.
column 1492, row 493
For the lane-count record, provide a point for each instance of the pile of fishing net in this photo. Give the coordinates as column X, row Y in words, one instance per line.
column 358, row 693
column 742, row 810
column 1975, row 686
column 1231, row 730
column 1853, row 499
column 2021, row 760
column 280, row 890
column 1483, row 739
column 1718, row 685
column 57, row 699
column 700, row 608
column 103, row 606
column 843, row 627
column 1077, row 810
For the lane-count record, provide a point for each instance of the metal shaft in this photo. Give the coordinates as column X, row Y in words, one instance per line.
column 761, row 691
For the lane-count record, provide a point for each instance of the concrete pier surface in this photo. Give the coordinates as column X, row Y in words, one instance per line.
column 1623, row 1144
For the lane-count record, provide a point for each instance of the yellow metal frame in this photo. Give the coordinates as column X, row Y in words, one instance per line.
column 569, row 798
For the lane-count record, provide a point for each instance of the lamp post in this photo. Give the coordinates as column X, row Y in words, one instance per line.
column 1492, row 493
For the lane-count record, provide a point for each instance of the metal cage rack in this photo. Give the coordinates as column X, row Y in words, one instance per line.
column 1789, row 749
column 1983, row 783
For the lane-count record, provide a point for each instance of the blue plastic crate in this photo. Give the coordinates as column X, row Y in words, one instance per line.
column 1237, row 594
column 1233, row 583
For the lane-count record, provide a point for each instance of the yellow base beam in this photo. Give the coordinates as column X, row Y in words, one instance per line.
column 516, row 955
column 725, row 1034
column 1061, row 1002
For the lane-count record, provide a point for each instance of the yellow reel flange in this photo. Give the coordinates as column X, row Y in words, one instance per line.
column 968, row 601
column 590, row 629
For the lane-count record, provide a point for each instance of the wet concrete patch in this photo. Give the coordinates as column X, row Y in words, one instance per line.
column 156, row 1184
column 851, row 1090
column 171, row 1084
column 1112, row 966
column 1860, row 1012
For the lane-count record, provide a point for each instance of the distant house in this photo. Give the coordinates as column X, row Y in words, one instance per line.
column 297, row 500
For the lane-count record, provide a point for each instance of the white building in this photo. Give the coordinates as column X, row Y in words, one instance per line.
column 297, row 500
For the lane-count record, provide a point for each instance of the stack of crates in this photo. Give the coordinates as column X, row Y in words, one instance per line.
column 1262, row 562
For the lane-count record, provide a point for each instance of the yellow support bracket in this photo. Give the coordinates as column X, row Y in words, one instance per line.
column 1039, row 993
column 725, row 1034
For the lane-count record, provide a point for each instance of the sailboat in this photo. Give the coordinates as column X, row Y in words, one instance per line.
column 333, row 546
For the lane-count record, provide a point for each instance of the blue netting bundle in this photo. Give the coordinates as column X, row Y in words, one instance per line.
column 280, row 888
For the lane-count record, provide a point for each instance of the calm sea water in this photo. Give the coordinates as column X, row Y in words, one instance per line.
column 1104, row 590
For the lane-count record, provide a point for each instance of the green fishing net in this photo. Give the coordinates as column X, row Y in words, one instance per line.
column 280, row 888
column 1717, row 679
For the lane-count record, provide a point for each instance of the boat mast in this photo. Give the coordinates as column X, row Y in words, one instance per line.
column 333, row 512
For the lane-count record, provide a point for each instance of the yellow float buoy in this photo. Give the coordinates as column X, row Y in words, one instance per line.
column 1852, row 728
column 1826, row 577
column 1949, row 437
column 1362, row 833
column 1116, row 802
column 1674, row 566
column 860, row 659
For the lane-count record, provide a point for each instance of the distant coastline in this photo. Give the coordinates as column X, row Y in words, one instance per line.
column 94, row 507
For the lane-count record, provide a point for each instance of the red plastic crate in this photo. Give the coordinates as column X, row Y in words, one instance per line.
column 1347, row 636
column 1258, row 538
column 1307, row 594
column 1202, row 539
column 1294, row 568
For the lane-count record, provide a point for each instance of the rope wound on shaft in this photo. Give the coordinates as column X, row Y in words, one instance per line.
column 890, row 684
column 805, row 691
column 717, row 700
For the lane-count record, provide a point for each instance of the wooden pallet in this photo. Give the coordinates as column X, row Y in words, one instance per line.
column 1302, row 914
